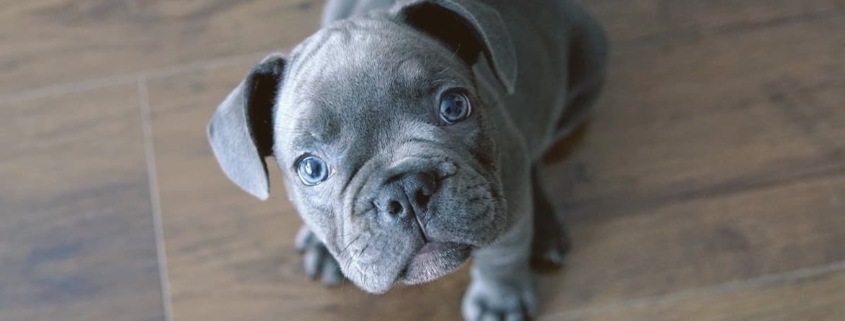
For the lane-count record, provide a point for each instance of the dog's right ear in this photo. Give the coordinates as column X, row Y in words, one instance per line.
column 469, row 28
column 241, row 130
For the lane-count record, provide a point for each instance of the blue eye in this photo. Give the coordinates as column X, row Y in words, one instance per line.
column 454, row 107
column 313, row 170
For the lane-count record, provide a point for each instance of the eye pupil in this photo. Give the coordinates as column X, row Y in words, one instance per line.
column 313, row 170
column 454, row 107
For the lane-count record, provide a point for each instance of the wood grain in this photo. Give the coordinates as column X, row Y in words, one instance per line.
column 51, row 42
column 816, row 297
column 656, row 23
column 718, row 115
column 700, row 243
column 711, row 159
column 76, row 233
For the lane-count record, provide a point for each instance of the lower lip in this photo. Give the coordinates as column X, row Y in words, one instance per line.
column 434, row 260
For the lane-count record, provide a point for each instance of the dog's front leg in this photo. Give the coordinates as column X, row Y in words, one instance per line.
column 502, row 286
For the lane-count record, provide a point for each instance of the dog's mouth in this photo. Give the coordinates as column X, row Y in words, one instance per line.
column 433, row 260
column 437, row 240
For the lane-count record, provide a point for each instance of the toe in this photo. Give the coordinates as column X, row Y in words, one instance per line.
column 550, row 258
column 471, row 310
column 313, row 261
column 304, row 238
column 491, row 316
column 516, row 316
column 554, row 256
column 331, row 273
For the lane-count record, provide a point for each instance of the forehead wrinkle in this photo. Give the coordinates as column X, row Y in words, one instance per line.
column 410, row 71
column 422, row 74
column 302, row 54
column 330, row 47
column 323, row 126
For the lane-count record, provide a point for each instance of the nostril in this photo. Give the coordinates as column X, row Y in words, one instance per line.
column 422, row 198
column 394, row 208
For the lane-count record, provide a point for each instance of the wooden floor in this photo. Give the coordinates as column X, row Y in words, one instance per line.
column 711, row 185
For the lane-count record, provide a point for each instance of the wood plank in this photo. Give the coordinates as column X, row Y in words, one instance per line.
column 701, row 242
column 731, row 16
column 662, row 22
column 816, row 296
column 76, row 232
column 50, row 42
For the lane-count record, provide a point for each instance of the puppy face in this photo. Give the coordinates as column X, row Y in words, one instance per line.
column 388, row 152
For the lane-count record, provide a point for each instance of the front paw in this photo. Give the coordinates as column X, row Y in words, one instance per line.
column 489, row 300
column 318, row 261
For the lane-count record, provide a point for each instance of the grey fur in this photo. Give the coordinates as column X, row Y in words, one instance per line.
column 362, row 94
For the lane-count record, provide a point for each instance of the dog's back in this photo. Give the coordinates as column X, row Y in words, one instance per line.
column 562, row 52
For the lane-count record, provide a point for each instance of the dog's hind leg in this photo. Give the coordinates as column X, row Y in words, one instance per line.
column 587, row 61
column 551, row 236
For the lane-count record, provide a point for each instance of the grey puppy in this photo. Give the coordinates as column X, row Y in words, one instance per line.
column 411, row 135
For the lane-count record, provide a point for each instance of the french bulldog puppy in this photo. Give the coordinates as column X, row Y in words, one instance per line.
column 411, row 135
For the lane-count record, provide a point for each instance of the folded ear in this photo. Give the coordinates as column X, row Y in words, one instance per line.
column 469, row 28
column 241, row 130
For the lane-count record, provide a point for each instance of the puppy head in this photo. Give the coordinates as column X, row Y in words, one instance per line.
column 388, row 151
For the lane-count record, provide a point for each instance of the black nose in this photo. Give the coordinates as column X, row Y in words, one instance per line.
column 405, row 195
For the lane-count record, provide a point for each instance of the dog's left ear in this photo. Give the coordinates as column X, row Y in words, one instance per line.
column 469, row 28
